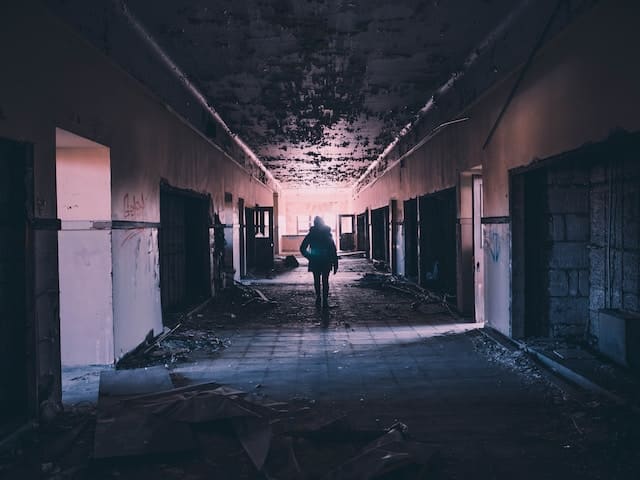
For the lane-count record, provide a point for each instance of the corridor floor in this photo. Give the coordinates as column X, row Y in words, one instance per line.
column 486, row 410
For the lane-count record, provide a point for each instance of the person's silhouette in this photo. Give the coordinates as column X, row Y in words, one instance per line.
column 318, row 247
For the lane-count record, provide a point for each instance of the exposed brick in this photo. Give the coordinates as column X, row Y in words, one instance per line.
column 558, row 283
column 598, row 217
column 568, row 199
column 566, row 177
column 631, row 219
column 568, row 255
column 567, row 331
column 583, row 283
column 630, row 262
column 594, row 322
column 630, row 302
column 573, row 282
column 597, row 262
column 578, row 228
column 596, row 299
column 557, row 228
column 568, row 310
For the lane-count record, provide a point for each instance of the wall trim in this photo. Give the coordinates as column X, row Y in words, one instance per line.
column 132, row 224
column 45, row 223
column 494, row 220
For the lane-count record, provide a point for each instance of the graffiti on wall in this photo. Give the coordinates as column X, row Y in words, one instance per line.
column 132, row 205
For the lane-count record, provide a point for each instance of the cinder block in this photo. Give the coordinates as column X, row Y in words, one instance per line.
column 596, row 263
column 558, row 283
column 569, row 255
column 565, row 176
column 567, row 331
column 630, row 302
column 573, row 199
column 594, row 322
column 573, row 282
column 598, row 217
column 631, row 220
column 596, row 299
column 578, row 228
column 568, row 310
column 557, row 228
column 598, row 174
column 630, row 271
column 583, row 283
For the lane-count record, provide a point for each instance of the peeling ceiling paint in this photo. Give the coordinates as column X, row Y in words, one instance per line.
column 316, row 88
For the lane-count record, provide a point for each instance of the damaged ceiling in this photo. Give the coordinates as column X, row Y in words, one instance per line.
column 317, row 88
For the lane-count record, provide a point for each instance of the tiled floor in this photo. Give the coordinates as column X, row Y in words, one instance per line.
column 376, row 359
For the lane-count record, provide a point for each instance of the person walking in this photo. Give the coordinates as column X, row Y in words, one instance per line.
column 319, row 248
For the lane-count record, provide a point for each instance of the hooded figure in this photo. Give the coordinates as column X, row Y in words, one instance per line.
column 318, row 247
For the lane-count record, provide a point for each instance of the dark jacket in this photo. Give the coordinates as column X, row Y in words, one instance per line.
column 319, row 248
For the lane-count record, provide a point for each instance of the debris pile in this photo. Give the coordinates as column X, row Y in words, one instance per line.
column 513, row 359
column 182, row 343
column 140, row 413
column 421, row 295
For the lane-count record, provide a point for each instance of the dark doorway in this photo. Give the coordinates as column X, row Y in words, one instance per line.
column 263, row 237
column 411, row 239
column 184, row 248
column 437, row 244
column 242, row 238
column 14, row 339
column 362, row 232
column 380, row 234
column 346, row 225
column 250, row 238
column 536, row 226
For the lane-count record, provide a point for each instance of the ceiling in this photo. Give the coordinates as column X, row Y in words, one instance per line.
column 316, row 88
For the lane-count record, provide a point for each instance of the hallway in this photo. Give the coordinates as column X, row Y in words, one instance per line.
column 483, row 410
column 473, row 163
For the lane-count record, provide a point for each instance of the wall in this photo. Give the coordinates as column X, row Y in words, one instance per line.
column 328, row 202
column 83, row 186
column 614, row 253
column 581, row 86
column 65, row 83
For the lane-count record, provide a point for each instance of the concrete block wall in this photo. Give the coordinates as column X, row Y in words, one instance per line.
column 614, row 251
column 568, row 235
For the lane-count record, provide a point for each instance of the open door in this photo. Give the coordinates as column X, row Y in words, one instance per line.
column 362, row 233
column 478, row 255
column 346, row 226
column 380, row 234
column 263, row 237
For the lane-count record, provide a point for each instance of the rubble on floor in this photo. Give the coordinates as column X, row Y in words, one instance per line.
column 184, row 342
column 421, row 295
column 141, row 414
column 514, row 359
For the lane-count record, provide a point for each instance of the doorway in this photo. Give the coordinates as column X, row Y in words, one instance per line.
column 362, row 232
column 16, row 340
column 380, row 234
column 83, row 189
column 263, row 237
column 411, row 239
column 185, row 270
column 346, row 225
column 478, row 254
column 437, row 247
